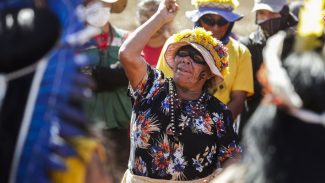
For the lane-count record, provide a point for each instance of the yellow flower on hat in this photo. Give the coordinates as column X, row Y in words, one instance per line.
column 205, row 39
column 224, row 4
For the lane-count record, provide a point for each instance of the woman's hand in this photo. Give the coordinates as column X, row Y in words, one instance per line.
column 168, row 10
column 130, row 52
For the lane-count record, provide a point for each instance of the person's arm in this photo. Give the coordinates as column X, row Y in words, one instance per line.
column 243, row 83
column 237, row 102
column 130, row 52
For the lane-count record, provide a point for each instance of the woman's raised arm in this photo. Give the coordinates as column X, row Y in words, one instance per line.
column 130, row 51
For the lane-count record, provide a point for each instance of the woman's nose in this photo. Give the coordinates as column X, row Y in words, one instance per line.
column 216, row 28
column 186, row 60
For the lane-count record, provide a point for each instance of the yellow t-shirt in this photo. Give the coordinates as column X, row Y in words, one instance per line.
column 240, row 77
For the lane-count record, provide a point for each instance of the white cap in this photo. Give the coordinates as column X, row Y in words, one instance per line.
column 271, row 5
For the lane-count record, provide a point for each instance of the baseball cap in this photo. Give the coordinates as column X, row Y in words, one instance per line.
column 270, row 5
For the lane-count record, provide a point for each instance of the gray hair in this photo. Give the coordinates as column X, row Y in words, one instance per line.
column 146, row 7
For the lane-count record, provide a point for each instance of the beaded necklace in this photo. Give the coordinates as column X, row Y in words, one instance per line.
column 174, row 129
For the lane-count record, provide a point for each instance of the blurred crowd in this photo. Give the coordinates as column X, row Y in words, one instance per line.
column 82, row 100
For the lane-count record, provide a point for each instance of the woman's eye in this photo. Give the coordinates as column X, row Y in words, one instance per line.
column 183, row 53
column 198, row 58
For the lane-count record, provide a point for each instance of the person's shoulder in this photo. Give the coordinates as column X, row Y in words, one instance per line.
column 253, row 39
column 156, row 81
column 155, row 73
column 291, row 32
column 248, row 39
column 245, row 40
column 119, row 36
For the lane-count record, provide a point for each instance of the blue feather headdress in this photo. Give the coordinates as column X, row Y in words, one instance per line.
column 53, row 112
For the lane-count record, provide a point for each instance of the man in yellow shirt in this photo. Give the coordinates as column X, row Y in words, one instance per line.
column 218, row 17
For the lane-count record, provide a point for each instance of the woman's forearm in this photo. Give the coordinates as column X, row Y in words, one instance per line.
column 140, row 37
column 130, row 51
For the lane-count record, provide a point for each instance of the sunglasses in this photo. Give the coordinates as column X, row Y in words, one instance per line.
column 194, row 54
column 212, row 22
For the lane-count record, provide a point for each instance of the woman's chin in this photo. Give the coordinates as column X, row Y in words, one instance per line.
column 183, row 79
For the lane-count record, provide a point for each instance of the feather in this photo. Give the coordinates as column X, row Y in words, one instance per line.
column 276, row 74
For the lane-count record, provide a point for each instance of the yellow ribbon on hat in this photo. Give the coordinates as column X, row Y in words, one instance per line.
column 224, row 4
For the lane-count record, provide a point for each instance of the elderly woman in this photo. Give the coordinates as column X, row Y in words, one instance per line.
column 179, row 131
column 218, row 16
column 285, row 135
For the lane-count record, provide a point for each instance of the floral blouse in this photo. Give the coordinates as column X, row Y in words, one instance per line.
column 203, row 138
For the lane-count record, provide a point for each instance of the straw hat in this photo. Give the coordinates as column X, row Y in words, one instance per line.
column 212, row 50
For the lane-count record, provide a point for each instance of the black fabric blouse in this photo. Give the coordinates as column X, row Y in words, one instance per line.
column 203, row 137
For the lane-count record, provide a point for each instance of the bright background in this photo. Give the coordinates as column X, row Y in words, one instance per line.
column 127, row 19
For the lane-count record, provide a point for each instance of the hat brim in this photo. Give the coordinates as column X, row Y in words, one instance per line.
column 262, row 6
column 229, row 15
column 174, row 47
column 109, row 1
column 117, row 5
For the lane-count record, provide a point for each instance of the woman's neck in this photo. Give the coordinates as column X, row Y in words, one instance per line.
column 106, row 28
column 188, row 94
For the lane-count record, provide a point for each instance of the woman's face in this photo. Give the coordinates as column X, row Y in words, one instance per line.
column 98, row 13
column 214, row 23
column 190, row 69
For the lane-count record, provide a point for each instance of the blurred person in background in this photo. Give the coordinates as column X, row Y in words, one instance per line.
column 285, row 134
column 271, row 17
column 179, row 131
column 22, row 45
column 151, row 51
column 218, row 17
column 111, row 107
column 45, row 134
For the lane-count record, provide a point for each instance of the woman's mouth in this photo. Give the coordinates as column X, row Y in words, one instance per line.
column 180, row 69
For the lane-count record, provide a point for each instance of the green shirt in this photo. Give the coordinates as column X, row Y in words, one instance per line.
column 111, row 109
